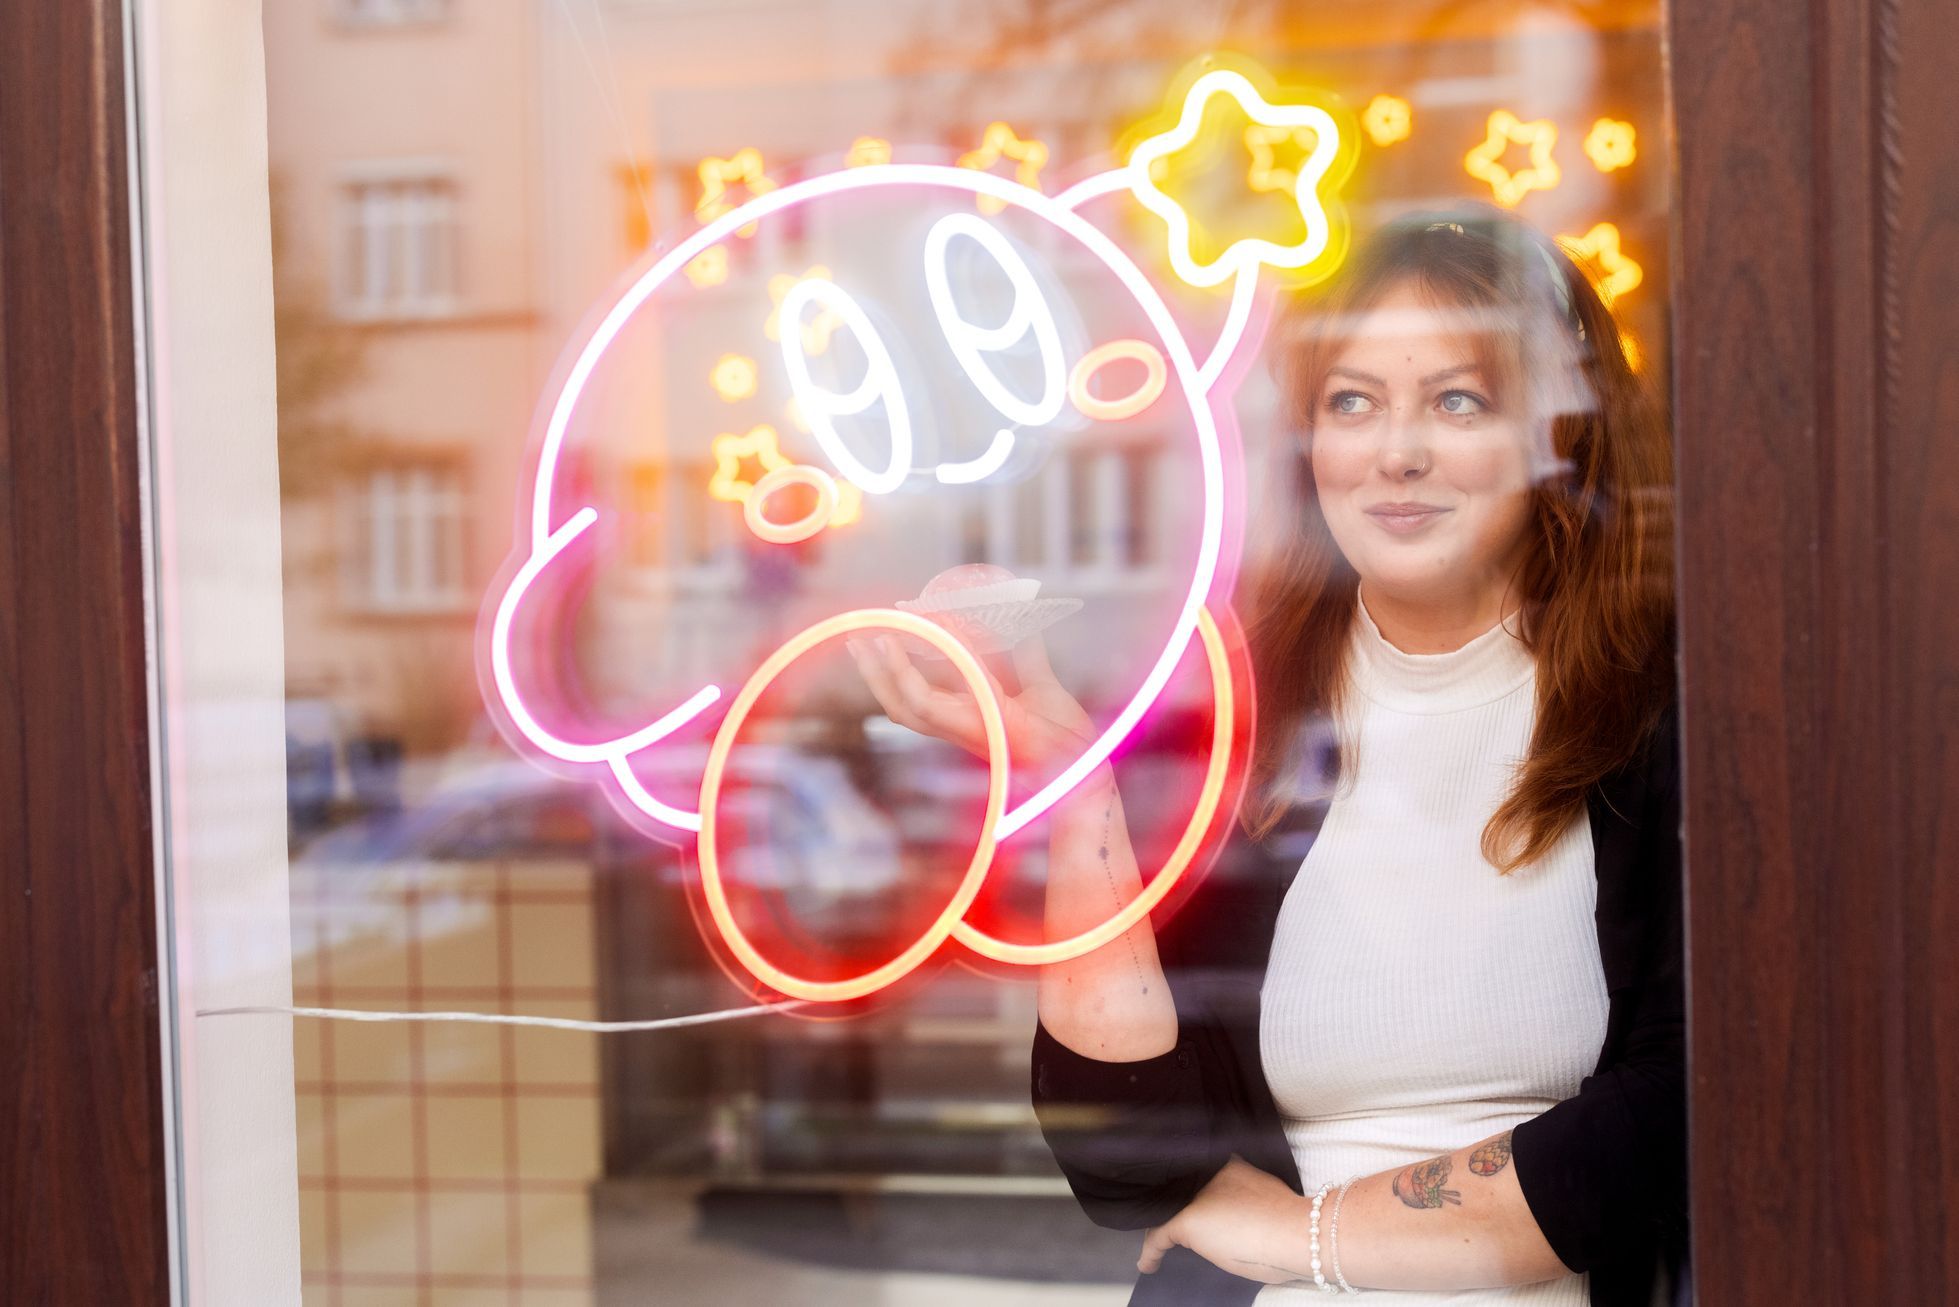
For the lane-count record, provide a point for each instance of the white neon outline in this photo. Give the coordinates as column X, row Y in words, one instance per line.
column 978, row 469
column 819, row 404
column 1249, row 251
column 1030, row 312
column 506, row 681
column 547, row 541
column 1243, row 292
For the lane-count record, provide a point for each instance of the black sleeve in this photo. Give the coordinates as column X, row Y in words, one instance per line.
column 1137, row 1140
column 1133, row 1138
column 1605, row 1172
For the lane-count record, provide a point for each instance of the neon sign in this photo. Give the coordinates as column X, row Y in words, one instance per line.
column 1026, row 367
column 1388, row 119
column 1506, row 129
column 1611, row 144
column 1028, row 156
column 1617, row 274
column 1312, row 185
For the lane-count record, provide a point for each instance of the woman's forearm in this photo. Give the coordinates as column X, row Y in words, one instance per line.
column 1455, row 1221
column 1111, row 1004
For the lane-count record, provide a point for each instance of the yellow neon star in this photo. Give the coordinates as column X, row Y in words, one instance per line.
column 1388, row 118
column 734, row 377
column 1505, row 129
column 709, row 267
column 1029, row 157
column 729, row 450
column 761, row 444
column 867, row 152
column 1613, row 272
column 744, row 168
column 1312, row 185
column 1265, row 174
column 816, row 329
column 1611, row 144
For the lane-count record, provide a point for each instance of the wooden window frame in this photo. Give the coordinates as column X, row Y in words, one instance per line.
column 1816, row 313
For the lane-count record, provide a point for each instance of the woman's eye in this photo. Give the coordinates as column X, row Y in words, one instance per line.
column 1349, row 401
column 1461, row 403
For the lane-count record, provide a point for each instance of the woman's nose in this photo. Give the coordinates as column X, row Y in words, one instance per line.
column 1402, row 452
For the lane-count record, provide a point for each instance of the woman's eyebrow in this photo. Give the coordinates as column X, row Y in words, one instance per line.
column 1365, row 378
column 1446, row 373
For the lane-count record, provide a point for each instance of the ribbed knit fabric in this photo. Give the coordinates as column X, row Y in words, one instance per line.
column 1417, row 1001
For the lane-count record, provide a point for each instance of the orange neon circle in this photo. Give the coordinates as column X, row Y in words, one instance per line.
column 717, row 760
column 1174, row 866
column 1155, row 375
column 788, row 533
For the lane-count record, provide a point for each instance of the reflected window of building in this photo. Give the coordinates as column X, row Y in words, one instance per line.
column 389, row 13
column 406, row 551
column 398, row 237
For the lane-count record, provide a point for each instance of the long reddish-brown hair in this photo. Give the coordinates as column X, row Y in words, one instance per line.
column 1595, row 589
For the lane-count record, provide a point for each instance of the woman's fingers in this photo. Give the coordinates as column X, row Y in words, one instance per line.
column 1031, row 664
column 1156, row 1243
column 909, row 699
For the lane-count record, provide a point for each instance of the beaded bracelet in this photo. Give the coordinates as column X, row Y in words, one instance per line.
column 1313, row 1229
column 1333, row 1236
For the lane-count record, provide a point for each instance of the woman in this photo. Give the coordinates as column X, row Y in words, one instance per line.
column 1456, row 1020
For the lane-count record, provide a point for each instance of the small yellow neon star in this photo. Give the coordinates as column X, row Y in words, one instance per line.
column 1614, row 273
column 1388, row 118
column 1611, row 144
column 1265, row 174
column 744, row 168
column 734, row 377
column 760, row 444
column 816, row 329
column 867, row 152
column 1326, row 162
column 1505, row 129
column 709, row 267
column 1029, row 157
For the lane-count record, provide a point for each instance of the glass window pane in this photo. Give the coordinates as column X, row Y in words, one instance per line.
column 665, row 345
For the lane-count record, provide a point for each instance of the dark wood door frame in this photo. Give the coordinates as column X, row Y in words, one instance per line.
column 1817, row 404
column 1816, row 302
column 82, row 1129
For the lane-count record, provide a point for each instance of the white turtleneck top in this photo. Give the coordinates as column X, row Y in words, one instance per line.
column 1416, row 1001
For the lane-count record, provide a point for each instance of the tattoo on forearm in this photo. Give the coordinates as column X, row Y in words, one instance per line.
column 1490, row 1158
column 1108, row 829
column 1420, row 1185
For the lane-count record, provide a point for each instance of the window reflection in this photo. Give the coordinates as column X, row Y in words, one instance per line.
column 461, row 181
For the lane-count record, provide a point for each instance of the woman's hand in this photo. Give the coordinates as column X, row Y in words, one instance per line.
column 1245, row 1222
column 1045, row 726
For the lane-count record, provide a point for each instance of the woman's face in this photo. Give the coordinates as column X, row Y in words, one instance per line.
column 1423, row 479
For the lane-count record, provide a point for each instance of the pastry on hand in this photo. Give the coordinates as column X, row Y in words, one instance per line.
column 987, row 607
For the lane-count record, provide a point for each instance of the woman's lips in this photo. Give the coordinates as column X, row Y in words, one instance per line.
column 1405, row 519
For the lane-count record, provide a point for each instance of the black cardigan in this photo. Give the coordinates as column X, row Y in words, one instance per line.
column 1604, row 1172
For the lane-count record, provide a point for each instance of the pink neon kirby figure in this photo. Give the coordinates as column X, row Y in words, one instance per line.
column 935, row 353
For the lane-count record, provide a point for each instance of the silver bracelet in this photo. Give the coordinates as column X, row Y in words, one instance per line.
column 1313, row 1229
column 1333, row 1235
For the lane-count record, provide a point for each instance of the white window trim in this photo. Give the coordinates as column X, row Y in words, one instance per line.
column 390, row 14
column 381, row 573
column 385, row 172
column 1105, row 572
